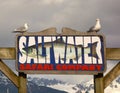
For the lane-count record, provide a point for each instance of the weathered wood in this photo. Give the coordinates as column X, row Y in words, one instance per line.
column 22, row 83
column 7, row 53
column 9, row 73
column 113, row 53
column 49, row 31
column 69, row 31
column 10, row 53
column 98, row 83
column 109, row 77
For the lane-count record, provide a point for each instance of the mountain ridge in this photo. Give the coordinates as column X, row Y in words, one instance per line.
column 43, row 85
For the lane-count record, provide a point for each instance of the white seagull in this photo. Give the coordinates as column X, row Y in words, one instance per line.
column 96, row 27
column 21, row 29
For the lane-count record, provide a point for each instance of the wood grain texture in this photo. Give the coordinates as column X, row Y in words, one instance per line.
column 22, row 83
column 7, row 53
column 98, row 83
column 113, row 53
column 110, row 76
column 9, row 73
column 10, row 53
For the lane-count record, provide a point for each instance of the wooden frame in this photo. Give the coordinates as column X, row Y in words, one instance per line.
column 65, row 32
column 99, row 80
column 20, row 81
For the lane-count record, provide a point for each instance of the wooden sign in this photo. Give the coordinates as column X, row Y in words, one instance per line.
column 61, row 53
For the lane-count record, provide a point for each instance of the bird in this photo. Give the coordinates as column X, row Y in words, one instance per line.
column 21, row 29
column 96, row 27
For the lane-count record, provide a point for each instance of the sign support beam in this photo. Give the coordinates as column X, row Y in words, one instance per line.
column 19, row 81
column 22, row 83
column 98, row 83
column 9, row 73
column 113, row 53
column 115, row 72
column 10, row 53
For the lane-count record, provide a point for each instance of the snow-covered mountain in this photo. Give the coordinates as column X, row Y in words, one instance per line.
column 87, row 87
column 42, row 85
column 34, row 86
column 114, row 87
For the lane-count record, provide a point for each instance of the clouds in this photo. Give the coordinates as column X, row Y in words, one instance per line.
column 41, row 14
column 79, row 14
column 53, row 1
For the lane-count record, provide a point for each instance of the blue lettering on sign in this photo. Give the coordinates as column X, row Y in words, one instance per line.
column 60, row 50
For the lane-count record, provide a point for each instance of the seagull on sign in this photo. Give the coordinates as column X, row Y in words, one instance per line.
column 21, row 29
column 96, row 27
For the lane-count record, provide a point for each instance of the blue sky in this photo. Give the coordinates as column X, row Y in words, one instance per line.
column 76, row 14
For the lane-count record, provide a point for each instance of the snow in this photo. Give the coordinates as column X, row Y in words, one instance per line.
column 114, row 87
column 65, row 87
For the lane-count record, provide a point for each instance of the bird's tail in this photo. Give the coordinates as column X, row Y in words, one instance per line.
column 14, row 31
column 89, row 31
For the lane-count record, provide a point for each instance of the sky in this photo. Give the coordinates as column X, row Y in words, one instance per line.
column 76, row 14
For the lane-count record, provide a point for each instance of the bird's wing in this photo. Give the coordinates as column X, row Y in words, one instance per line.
column 21, row 29
column 91, row 29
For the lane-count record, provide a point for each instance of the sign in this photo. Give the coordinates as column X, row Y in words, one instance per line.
column 61, row 54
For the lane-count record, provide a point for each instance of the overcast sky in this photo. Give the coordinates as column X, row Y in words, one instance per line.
column 76, row 14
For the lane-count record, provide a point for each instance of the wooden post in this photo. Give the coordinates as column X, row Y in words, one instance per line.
column 22, row 83
column 98, row 83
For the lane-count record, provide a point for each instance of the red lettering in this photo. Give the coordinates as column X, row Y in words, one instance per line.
column 27, row 67
column 85, row 67
column 48, row 67
column 21, row 67
column 98, row 67
column 92, row 67
column 64, row 67
column 71, row 67
column 39, row 67
column 33, row 66
column 58, row 67
column 77, row 67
